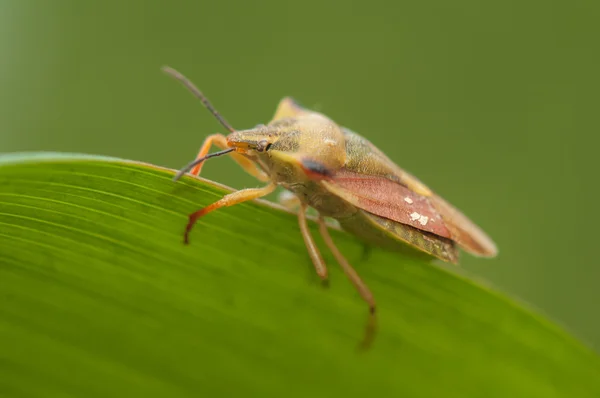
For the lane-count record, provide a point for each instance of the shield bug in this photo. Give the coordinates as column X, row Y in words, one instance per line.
column 341, row 175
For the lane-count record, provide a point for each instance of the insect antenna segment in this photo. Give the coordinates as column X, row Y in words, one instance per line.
column 191, row 165
column 187, row 83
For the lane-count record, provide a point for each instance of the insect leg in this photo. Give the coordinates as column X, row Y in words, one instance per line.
column 313, row 251
column 228, row 200
column 220, row 141
column 362, row 288
column 288, row 200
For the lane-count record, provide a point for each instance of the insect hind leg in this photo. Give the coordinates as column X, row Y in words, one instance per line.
column 363, row 290
column 350, row 272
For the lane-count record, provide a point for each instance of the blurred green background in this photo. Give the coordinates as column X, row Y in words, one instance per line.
column 492, row 104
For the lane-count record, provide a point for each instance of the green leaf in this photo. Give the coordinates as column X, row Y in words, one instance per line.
column 100, row 298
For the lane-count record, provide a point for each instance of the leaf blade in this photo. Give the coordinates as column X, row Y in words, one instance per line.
column 93, row 247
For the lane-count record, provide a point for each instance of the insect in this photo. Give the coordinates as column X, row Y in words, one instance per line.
column 343, row 176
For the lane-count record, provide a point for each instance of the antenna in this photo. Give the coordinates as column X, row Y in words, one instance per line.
column 200, row 160
column 187, row 83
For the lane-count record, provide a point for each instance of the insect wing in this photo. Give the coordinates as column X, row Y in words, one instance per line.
column 464, row 231
column 372, row 182
column 388, row 199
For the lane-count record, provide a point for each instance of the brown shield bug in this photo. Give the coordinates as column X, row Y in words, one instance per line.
column 341, row 175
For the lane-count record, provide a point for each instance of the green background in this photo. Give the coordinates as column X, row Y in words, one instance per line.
column 492, row 104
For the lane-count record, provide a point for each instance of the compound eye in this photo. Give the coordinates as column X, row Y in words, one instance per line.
column 263, row 145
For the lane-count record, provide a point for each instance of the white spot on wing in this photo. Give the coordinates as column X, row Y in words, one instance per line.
column 408, row 200
column 420, row 218
column 329, row 142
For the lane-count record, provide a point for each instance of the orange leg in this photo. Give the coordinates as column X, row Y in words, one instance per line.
column 289, row 200
column 363, row 290
column 220, row 141
column 228, row 200
column 313, row 251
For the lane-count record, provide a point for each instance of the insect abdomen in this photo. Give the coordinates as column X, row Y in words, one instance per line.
column 393, row 235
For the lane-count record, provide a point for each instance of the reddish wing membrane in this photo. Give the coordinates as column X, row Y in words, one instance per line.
column 388, row 199
column 464, row 231
column 394, row 201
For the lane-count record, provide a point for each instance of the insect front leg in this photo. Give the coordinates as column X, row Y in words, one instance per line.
column 228, row 200
column 220, row 141
column 313, row 251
